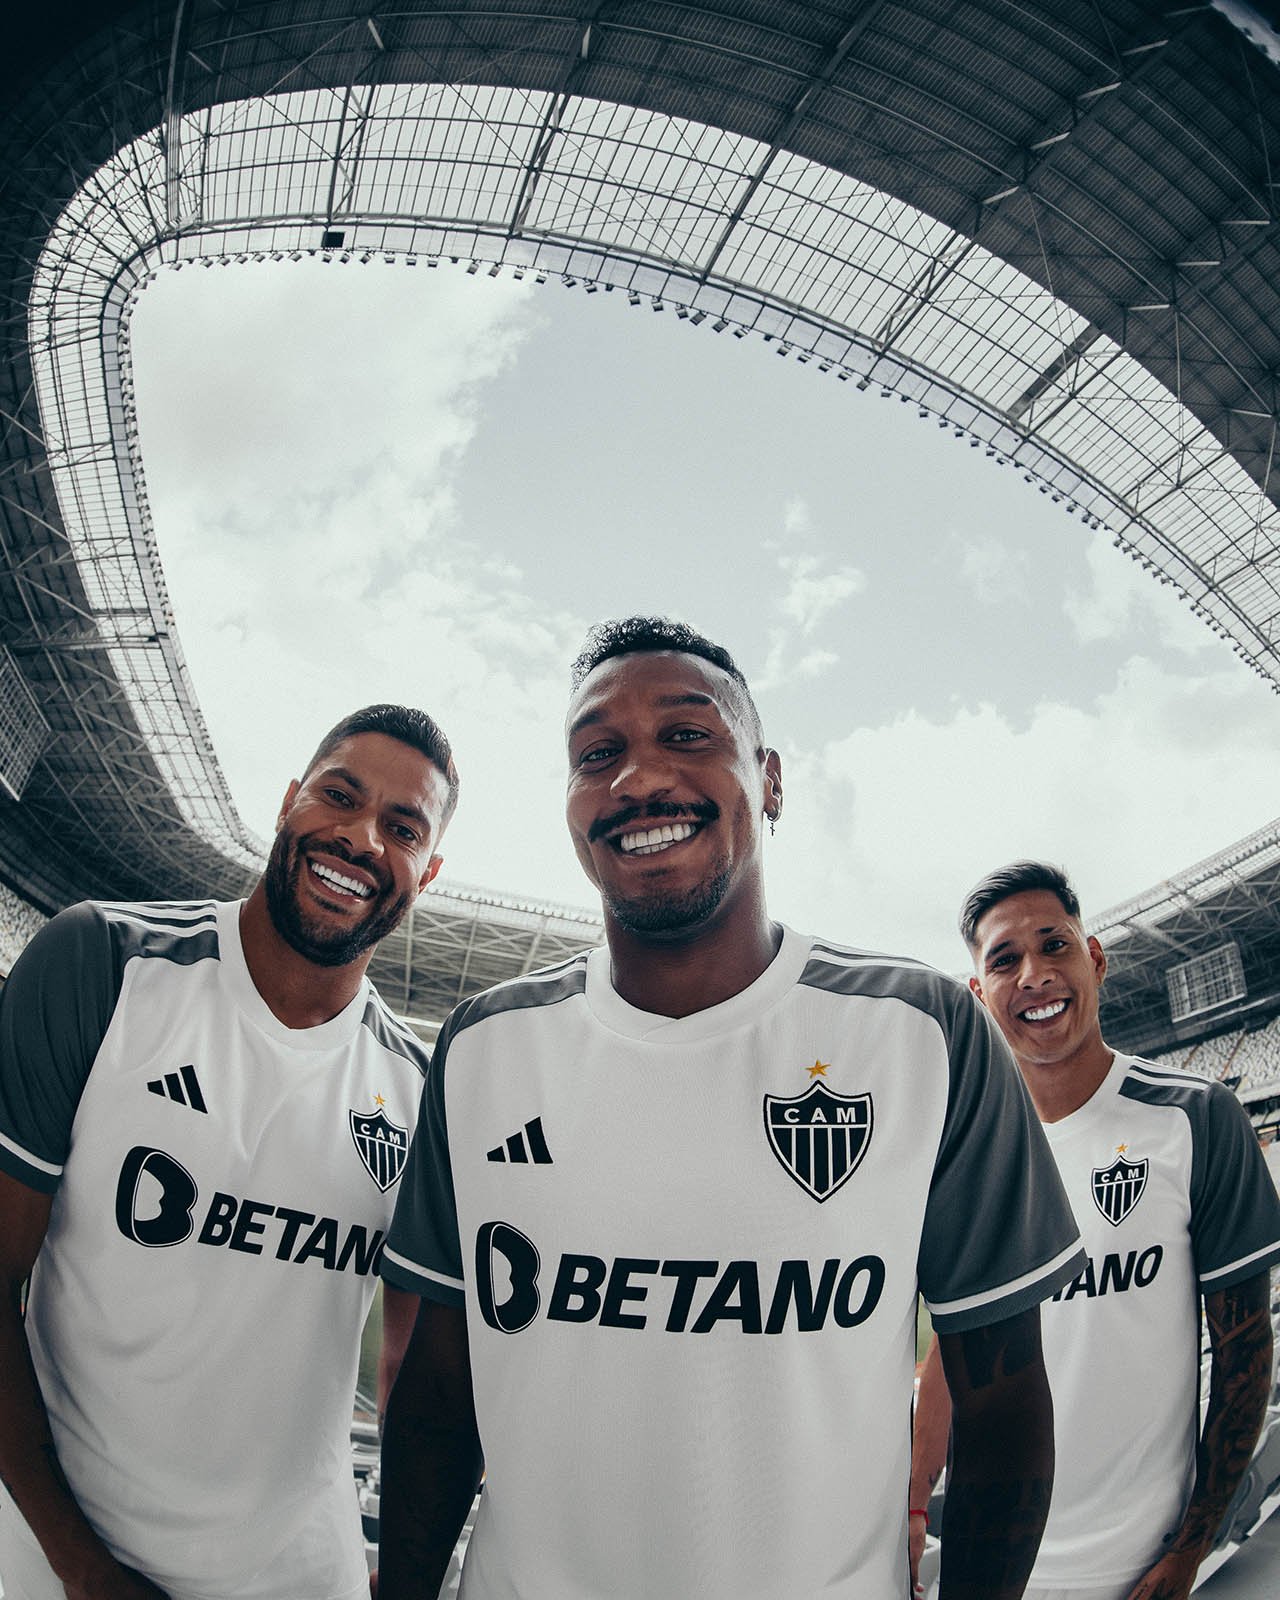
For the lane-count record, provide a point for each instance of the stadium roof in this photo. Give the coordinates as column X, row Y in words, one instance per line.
column 1233, row 897
column 1051, row 228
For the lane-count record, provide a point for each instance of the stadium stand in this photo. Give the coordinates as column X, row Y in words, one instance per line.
column 1084, row 198
column 1051, row 230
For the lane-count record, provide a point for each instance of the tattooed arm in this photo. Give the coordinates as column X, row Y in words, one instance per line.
column 1239, row 1321
column 28, row 1463
column 431, row 1461
column 1001, row 1472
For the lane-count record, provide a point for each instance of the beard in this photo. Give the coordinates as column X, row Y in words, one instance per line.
column 323, row 946
column 671, row 912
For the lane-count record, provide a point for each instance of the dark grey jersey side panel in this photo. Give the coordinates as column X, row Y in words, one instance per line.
column 1235, row 1211
column 54, row 1012
column 997, row 1215
column 543, row 988
column 393, row 1035
column 424, row 1228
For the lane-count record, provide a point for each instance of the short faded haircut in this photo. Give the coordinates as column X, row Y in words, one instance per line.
column 405, row 723
column 627, row 636
column 1017, row 878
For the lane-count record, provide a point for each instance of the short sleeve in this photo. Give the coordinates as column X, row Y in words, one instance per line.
column 55, row 1009
column 999, row 1235
column 422, row 1253
column 1235, row 1211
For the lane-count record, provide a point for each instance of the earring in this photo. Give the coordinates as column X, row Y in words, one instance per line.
column 772, row 818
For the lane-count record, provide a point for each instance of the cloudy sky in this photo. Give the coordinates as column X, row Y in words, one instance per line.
column 380, row 482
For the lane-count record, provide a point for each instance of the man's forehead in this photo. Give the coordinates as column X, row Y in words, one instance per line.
column 659, row 678
column 1030, row 913
column 362, row 756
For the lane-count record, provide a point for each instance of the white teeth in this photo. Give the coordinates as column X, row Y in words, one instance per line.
column 362, row 891
column 1043, row 1013
column 655, row 839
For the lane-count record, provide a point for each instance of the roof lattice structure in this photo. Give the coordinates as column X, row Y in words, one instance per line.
column 1233, row 897
column 1051, row 227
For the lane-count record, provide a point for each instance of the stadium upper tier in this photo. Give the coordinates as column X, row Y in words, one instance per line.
column 1229, row 902
column 1050, row 228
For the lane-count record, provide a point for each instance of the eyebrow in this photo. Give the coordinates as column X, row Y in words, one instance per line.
column 398, row 808
column 664, row 702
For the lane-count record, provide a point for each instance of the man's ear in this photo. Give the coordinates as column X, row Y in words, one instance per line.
column 1099, row 958
column 976, row 987
column 286, row 805
column 433, row 866
column 772, row 784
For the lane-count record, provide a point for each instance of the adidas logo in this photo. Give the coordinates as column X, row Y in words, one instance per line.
column 182, row 1087
column 527, row 1145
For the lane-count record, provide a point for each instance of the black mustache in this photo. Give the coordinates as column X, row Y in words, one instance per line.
column 655, row 811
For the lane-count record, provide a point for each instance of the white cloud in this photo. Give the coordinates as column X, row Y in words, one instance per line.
column 997, row 570
column 1120, row 598
column 811, row 593
column 887, row 828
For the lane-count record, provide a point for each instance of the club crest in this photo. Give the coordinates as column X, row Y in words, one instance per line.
column 380, row 1144
column 1118, row 1188
column 819, row 1136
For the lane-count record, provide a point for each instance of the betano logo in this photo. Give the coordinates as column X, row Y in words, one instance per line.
column 677, row 1296
column 156, row 1207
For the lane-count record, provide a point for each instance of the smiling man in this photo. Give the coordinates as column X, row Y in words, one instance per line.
column 204, row 1113
column 670, row 1204
column 1174, row 1201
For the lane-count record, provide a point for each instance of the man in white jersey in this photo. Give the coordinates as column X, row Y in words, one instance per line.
column 669, row 1205
column 204, row 1113
column 1174, row 1201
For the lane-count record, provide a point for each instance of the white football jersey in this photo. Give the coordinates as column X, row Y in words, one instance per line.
column 690, row 1251
column 1169, row 1186
column 222, row 1186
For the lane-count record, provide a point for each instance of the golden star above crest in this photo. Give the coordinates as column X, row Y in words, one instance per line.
column 378, row 1100
column 818, row 1069
column 1122, row 1149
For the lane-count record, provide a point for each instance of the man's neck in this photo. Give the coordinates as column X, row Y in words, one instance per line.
column 298, row 992
column 1061, row 1087
column 679, row 978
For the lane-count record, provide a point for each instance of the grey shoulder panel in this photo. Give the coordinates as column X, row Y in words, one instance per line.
column 55, row 1010
column 879, row 977
column 182, row 932
column 546, row 988
column 1235, row 1211
column 392, row 1034
column 998, row 1233
column 423, row 1253
column 1160, row 1086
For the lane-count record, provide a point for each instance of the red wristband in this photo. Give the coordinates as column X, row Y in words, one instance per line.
column 915, row 1511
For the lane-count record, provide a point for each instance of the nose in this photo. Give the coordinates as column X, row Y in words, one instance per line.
column 1034, row 970
column 359, row 830
column 644, row 773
